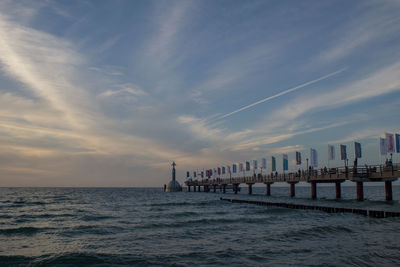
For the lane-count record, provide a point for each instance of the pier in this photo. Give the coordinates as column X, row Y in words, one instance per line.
column 360, row 175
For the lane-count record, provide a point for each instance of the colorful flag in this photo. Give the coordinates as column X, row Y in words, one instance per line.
column 397, row 143
column 273, row 163
column 298, row 158
column 382, row 146
column 223, row 170
column 264, row 163
column 285, row 162
column 389, row 142
column 219, row 170
column 240, row 167
column 343, row 153
column 357, row 150
column 314, row 158
column 194, row 174
column 331, row 152
column 247, row 166
column 234, row 168
column 229, row 169
column 202, row 174
column 215, row 171
column 187, row 174
column 255, row 164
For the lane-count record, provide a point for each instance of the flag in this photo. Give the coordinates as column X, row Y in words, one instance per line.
column 219, row 170
column 397, row 143
column 389, row 142
column 187, row 174
column 331, row 152
column 229, row 169
column 255, row 164
column 357, row 150
column 264, row 163
column 285, row 162
column 343, row 153
column 247, row 166
column 194, row 174
column 223, row 170
column 382, row 146
column 273, row 163
column 240, row 167
column 314, row 158
column 202, row 174
column 234, row 168
column 215, row 171
column 298, row 158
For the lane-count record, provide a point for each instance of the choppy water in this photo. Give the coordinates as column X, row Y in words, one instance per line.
column 142, row 227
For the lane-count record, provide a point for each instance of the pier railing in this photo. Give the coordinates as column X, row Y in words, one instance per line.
column 365, row 173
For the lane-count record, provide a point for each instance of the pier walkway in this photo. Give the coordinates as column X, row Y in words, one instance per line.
column 372, row 173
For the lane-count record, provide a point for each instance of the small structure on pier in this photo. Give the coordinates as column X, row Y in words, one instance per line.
column 173, row 185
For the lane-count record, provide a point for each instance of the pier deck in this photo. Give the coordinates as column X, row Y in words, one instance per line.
column 373, row 173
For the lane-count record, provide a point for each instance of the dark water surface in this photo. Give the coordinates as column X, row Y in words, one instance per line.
column 142, row 227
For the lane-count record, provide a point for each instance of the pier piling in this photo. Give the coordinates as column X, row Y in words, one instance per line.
column 268, row 189
column 250, row 188
column 338, row 190
column 360, row 191
column 388, row 190
column 313, row 190
column 223, row 189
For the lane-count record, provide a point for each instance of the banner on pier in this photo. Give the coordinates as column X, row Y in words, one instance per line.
column 234, row 168
column 187, row 174
column 314, row 158
column 357, row 150
column 194, row 174
column 389, row 142
column 298, row 158
column 229, row 169
column 285, row 162
column 331, row 152
column 382, row 146
column 247, row 166
column 397, row 143
column 215, row 171
column 255, row 164
column 219, row 170
column 273, row 164
column 202, row 174
column 264, row 163
column 240, row 167
column 223, row 170
column 343, row 153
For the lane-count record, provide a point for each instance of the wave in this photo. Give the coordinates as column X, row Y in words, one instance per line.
column 27, row 230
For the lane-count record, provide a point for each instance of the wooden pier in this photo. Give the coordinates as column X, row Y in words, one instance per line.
column 373, row 173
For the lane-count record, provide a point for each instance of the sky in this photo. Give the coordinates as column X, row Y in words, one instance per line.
column 109, row 93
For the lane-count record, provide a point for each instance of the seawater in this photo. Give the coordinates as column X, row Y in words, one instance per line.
column 147, row 227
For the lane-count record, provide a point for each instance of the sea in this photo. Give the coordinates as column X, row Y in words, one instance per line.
column 148, row 227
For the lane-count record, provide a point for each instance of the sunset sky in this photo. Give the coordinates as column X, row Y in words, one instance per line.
column 109, row 93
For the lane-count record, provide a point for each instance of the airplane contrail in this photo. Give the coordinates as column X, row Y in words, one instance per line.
column 283, row 93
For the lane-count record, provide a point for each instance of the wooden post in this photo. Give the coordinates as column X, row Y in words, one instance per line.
column 194, row 188
column 268, row 189
column 292, row 190
column 235, row 188
column 199, row 188
column 188, row 188
column 338, row 190
column 313, row 190
column 223, row 189
column 250, row 191
column 388, row 190
column 360, row 191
